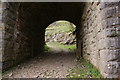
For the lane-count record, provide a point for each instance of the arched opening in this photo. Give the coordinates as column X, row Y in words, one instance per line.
column 60, row 36
column 27, row 32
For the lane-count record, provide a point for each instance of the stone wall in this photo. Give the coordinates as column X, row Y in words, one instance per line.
column 21, row 38
column 1, row 28
column 8, row 23
column 101, row 37
column 17, row 41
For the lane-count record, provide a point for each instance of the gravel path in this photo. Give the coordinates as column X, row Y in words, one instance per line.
column 49, row 65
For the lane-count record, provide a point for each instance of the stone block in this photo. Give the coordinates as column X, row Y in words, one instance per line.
column 111, row 4
column 0, row 55
column 0, row 34
column 110, row 32
column 113, row 67
column 0, row 18
column 110, row 69
column 117, row 31
column 113, row 43
column 112, row 21
column 9, row 29
column 110, row 55
column 8, row 37
column 95, row 62
column 112, row 11
column 107, row 43
column 9, row 21
column 102, row 44
column 109, row 12
column 102, row 5
column 1, row 44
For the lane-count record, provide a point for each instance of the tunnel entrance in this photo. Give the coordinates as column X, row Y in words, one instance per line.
column 26, row 32
column 61, row 37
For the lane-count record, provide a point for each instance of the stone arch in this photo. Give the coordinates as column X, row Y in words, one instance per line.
column 25, row 23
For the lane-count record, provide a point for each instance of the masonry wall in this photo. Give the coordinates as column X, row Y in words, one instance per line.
column 17, row 41
column 101, row 37
column 22, row 38
column 1, row 28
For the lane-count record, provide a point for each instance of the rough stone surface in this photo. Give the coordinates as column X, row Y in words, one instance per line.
column 16, row 41
column 1, row 28
column 64, row 38
column 101, row 37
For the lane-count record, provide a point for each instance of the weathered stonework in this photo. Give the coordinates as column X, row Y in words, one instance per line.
column 101, row 37
column 16, row 41
column 1, row 29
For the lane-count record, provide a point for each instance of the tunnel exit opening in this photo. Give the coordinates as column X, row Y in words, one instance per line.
column 60, row 36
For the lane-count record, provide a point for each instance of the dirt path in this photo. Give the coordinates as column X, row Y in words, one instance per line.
column 50, row 65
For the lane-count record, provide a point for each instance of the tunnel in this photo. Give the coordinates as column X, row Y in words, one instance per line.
column 30, row 25
column 97, row 31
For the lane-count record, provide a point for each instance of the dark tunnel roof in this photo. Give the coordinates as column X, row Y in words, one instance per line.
column 50, row 12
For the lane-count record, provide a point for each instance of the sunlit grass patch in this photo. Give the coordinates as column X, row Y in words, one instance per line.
column 85, row 70
column 63, row 47
column 46, row 48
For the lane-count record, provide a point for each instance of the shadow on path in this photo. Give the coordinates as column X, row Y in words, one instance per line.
column 47, row 65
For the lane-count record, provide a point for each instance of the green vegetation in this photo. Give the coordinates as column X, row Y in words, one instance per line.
column 63, row 47
column 62, row 32
column 63, row 27
column 85, row 70
column 46, row 48
column 9, row 70
column 4, row 73
column 114, row 35
column 59, row 29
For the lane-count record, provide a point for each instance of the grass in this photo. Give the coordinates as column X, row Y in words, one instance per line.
column 46, row 48
column 61, row 46
column 9, row 70
column 85, row 70
column 114, row 35
column 61, row 28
